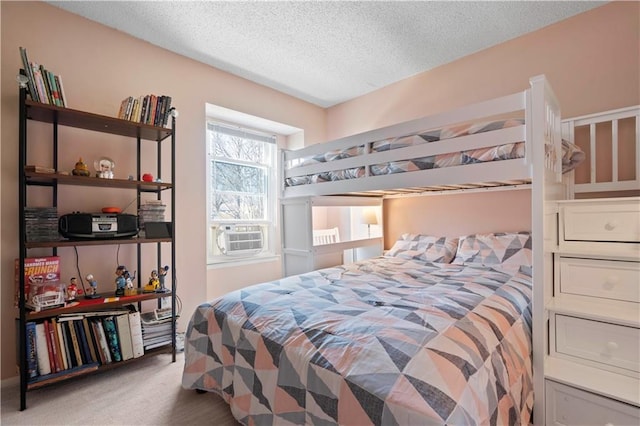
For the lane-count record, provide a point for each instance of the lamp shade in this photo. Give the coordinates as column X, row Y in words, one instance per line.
column 369, row 217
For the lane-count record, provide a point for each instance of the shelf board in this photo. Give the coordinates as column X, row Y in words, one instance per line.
column 89, row 121
column 106, row 301
column 92, row 368
column 34, row 178
column 96, row 242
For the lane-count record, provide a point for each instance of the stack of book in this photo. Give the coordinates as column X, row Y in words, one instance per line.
column 41, row 223
column 156, row 331
column 43, row 85
column 151, row 211
column 72, row 342
column 150, row 109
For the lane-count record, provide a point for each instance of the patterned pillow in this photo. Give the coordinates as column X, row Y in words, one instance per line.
column 426, row 248
column 506, row 248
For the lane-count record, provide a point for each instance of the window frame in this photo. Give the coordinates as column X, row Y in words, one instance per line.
column 270, row 224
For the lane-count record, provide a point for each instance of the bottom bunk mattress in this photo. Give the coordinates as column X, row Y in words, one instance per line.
column 384, row 341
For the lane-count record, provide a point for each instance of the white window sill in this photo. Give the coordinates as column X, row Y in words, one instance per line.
column 229, row 262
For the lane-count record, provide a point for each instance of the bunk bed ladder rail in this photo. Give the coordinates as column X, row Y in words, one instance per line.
column 544, row 137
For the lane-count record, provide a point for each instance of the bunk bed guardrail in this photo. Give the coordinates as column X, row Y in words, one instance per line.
column 607, row 131
column 539, row 131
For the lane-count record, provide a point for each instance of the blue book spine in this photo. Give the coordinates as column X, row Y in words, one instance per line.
column 82, row 340
column 112, row 338
column 32, row 354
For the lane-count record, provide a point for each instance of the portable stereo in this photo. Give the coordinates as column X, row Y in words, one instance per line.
column 98, row 225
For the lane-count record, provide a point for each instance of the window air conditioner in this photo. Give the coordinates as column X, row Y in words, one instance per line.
column 240, row 240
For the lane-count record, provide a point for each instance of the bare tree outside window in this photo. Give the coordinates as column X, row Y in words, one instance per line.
column 240, row 166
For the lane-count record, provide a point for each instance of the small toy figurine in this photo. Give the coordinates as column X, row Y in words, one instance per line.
column 121, row 281
column 129, row 290
column 153, row 283
column 81, row 169
column 93, row 292
column 72, row 290
column 161, row 277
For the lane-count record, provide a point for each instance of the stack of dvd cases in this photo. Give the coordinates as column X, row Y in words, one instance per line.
column 41, row 224
column 151, row 211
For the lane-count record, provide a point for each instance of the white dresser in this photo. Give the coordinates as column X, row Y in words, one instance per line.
column 592, row 371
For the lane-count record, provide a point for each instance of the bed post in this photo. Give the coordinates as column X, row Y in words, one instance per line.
column 544, row 138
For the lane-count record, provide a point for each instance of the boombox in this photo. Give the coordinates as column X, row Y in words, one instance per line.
column 98, row 225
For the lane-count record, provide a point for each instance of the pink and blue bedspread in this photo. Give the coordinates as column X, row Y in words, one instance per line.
column 386, row 341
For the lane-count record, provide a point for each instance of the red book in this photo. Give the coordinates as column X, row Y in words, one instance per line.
column 52, row 359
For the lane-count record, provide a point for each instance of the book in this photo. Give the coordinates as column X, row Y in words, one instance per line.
column 102, row 340
column 66, row 339
column 32, row 354
column 90, row 340
column 124, row 336
column 38, row 169
column 41, row 278
column 167, row 111
column 29, row 73
column 53, row 363
column 47, row 85
column 55, row 93
column 58, row 348
column 111, row 334
column 61, row 88
column 40, row 88
column 42, row 352
column 82, row 342
column 75, row 343
column 136, row 334
column 94, row 330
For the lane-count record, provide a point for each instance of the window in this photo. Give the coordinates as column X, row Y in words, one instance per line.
column 241, row 192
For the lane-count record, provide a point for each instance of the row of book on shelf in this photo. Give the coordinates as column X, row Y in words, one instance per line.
column 79, row 341
column 43, row 85
column 150, row 109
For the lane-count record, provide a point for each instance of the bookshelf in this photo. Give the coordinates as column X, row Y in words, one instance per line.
column 56, row 116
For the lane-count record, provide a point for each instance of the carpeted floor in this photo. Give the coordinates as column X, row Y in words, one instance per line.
column 147, row 392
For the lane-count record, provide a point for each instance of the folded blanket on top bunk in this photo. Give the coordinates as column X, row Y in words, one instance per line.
column 572, row 154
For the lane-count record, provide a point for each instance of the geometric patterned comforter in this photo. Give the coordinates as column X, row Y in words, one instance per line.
column 385, row 341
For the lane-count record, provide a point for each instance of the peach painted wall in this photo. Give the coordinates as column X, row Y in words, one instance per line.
column 100, row 67
column 592, row 61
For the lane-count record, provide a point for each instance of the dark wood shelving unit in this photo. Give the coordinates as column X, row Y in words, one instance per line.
column 56, row 181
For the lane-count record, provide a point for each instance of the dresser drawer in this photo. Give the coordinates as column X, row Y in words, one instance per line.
column 606, row 279
column 567, row 406
column 611, row 346
column 602, row 221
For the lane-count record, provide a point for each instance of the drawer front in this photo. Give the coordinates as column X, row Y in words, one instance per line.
column 602, row 222
column 568, row 406
column 600, row 278
column 600, row 342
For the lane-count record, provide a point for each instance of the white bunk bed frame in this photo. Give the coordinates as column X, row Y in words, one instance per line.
column 540, row 112
column 541, row 169
column 593, row 120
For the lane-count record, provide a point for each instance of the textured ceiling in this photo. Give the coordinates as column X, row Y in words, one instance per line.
column 325, row 52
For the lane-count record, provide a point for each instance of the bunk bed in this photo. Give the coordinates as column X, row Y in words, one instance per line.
column 371, row 342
